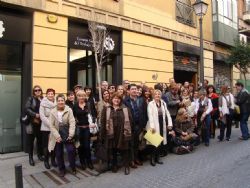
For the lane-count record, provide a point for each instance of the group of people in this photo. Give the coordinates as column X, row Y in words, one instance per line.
column 182, row 115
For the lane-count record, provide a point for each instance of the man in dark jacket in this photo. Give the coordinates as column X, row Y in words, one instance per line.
column 139, row 120
column 243, row 100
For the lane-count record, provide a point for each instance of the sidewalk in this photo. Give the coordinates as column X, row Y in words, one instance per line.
column 38, row 176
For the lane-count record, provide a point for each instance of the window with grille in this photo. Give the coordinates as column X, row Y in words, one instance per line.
column 185, row 12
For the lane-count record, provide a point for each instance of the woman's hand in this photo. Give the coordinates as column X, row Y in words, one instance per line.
column 92, row 126
column 221, row 115
column 69, row 139
column 153, row 130
column 37, row 116
column 59, row 140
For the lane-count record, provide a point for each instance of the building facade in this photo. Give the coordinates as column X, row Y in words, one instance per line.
column 46, row 42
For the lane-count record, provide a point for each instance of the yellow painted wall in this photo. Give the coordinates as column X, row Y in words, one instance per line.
column 144, row 56
column 236, row 75
column 208, row 66
column 50, row 52
column 162, row 13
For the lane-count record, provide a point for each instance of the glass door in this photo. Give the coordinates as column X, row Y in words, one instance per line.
column 10, row 97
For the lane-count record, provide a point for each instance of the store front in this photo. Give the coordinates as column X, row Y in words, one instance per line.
column 81, row 62
column 185, row 63
column 222, row 71
column 15, row 36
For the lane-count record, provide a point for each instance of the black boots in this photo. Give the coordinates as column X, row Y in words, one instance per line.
column 152, row 159
column 83, row 164
column 40, row 157
column 31, row 160
column 53, row 159
column 157, row 159
column 90, row 165
column 46, row 158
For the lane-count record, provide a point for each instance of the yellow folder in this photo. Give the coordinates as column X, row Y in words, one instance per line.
column 155, row 139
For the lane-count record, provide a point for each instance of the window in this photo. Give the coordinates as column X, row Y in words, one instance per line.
column 185, row 12
column 225, row 11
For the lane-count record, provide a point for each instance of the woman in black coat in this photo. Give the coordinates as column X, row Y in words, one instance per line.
column 33, row 128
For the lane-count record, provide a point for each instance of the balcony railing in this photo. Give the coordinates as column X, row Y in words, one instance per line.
column 185, row 14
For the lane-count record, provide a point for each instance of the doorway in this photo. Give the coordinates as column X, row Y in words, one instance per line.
column 181, row 76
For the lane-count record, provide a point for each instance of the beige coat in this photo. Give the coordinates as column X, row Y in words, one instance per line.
column 68, row 118
column 153, row 121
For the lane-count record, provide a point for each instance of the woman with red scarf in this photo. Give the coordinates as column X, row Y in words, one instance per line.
column 211, row 92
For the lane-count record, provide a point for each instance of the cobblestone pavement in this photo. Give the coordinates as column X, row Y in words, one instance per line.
column 222, row 164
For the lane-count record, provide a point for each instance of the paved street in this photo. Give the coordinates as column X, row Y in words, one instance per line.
column 223, row 164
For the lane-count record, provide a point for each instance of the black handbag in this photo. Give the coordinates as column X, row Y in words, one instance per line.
column 64, row 132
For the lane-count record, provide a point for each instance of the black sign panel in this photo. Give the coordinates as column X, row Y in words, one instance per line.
column 15, row 27
column 79, row 38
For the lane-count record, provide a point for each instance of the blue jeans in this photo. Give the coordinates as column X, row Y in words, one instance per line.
column 243, row 125
column 207, row 122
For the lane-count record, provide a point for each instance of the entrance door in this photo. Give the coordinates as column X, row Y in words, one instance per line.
column 10, row 97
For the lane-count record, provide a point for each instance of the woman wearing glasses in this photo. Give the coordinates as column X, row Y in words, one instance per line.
column 33, row 128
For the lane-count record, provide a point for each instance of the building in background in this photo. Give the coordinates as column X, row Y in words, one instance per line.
column 46, row 42
column 244, row 27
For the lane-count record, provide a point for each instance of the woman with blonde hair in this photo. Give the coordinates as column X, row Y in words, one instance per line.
column 159, row 120
column 33, row 128
column 83, row 123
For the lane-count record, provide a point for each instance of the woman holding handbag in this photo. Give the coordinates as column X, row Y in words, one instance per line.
column 33, row 128
column 159, row 121
column 47, row 104
column 83, row 123
column 226, row 106
column 62, row 131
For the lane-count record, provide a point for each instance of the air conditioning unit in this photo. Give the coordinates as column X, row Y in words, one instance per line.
column 243, row 38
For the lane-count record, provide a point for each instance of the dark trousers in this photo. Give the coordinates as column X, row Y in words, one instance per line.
column 213, row 127
column 31, row 138
column 45, row 141
column 206, row 128
column 134, row 145
column 228, row 125
column 84, row 148
column 124, row 154
column 243, row 125
column 60, row 155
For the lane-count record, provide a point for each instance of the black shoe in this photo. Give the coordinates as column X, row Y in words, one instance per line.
column 207, row 144
column 83, row 165
column 158, row 161
column 90, row 165
column 31, row 160
column 61, row 173
column 53, row 163
column 127, row 171
column 40, row 157
column 152, row 161
column 228, row 139
column 219, row 138
column 46, row 164
column 114, row 169
column 73, row 171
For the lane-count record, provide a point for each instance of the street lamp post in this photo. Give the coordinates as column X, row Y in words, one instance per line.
column 200, row 9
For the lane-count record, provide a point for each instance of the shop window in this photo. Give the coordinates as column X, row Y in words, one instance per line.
column 185, row 12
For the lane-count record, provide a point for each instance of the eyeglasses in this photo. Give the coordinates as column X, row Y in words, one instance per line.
column 36, row 90
column 112, row 87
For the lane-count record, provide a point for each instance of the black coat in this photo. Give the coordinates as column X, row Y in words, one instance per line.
column 143, row 118
column 243, row 100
